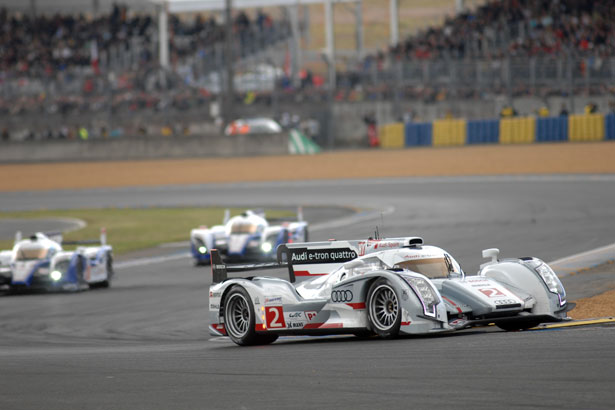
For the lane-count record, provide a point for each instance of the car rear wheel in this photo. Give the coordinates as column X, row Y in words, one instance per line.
column 239, row 319
column 383, row 309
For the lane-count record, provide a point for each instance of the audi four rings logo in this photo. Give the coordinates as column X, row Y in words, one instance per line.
column 341, row 296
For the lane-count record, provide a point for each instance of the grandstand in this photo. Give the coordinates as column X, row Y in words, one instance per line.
column 98, row 66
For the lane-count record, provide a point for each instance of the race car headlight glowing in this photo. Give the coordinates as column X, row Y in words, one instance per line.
column 552, row 281
column 202, row 249
column 266, row 247
column 427, row 295
column 56, row 275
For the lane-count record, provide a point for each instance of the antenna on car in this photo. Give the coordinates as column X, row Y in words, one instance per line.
column 377, row 233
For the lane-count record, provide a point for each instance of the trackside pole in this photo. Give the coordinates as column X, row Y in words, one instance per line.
column 103, row 236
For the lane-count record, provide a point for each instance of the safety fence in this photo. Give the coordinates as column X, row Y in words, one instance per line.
column 516, row 130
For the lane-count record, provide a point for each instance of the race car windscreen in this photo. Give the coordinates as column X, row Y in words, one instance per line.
column 29, row 254
column 242, row 227
column 433, row 268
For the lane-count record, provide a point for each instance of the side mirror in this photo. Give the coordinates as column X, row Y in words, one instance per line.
column 492, row 253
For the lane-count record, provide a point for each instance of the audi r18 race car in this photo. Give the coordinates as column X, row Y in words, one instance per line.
column 40, row 262
column 248, row 236
column 385, row 287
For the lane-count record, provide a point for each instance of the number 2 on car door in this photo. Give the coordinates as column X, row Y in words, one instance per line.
column 275, row 317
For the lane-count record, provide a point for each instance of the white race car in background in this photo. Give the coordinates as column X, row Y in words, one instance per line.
column 248, row 236
column 40, row 262
column 385, row 287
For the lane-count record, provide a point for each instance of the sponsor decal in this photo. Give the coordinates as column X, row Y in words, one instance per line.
column 382, row 245
column 296, row 325
column 310, row 315
column 300, row 256
column 295, row 315
column 341, row 296
column 213, row 306
column 421, row 256
column 273, row 300
column 257, row 301
column 215, row 294
column 404, row 295
column 220, row 267
column 505, row 302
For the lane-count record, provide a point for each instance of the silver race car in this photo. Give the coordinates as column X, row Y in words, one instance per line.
column 386, row 287
column 248, row 237
column 40, row 262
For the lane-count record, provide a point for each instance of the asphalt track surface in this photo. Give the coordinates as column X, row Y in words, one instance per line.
column 143, row 344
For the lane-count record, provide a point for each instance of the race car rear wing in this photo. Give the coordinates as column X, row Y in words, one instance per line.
column 219, row 270
column 311, row 259
column 101, row 241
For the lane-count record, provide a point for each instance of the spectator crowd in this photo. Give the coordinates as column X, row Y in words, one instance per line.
column 90, row 51
column 518, row 28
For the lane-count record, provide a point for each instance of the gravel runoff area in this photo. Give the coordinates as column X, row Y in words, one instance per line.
column 548, row 158
column 602, row 305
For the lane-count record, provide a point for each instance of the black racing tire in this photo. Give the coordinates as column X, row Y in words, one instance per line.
column 239, row 319
column 81, row 283
column 383, row 309
column 107, row 282
column 516, row 325
column 365, row 334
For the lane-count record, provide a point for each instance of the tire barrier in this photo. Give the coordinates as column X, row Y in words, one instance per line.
column 483, row 132
column 516, row 130
column 609, row 126
column 449, row 132
column 589, row 127
column 551, row 129
column 392, row 135
column 521, row 130
column 418, row 134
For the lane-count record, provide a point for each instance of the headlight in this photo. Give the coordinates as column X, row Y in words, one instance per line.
column 202, row 249
column 56, row 275
column 552, row 281
column 266, row 247
column 428, row 296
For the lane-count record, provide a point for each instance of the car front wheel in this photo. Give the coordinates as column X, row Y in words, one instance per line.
column 383, row 309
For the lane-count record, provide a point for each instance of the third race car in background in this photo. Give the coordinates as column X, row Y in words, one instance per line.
column 41, row 262
column 247, row 237
column 387, row 287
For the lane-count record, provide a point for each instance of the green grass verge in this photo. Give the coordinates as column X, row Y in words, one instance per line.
column 135, row 229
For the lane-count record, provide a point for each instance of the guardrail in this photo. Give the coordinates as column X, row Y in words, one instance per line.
column 145, row 148
column 516, row 130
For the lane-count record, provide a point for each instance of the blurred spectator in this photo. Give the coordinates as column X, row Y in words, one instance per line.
column 590, row 108
column 563, row 111
column 543, row 111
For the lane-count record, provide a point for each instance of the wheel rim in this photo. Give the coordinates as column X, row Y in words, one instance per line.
column 237, row 315
column 384, row 307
